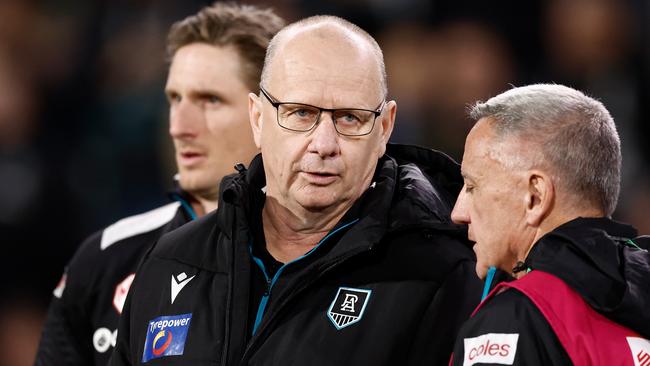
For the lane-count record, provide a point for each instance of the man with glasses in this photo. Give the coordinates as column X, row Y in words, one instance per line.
column 300, row 117
column 332, row 248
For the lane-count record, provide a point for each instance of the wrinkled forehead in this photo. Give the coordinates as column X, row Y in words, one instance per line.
column 481, row 146
column 480, row 137
column 326, row 59
column 485, row 149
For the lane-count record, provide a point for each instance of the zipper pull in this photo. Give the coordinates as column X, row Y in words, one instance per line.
column 268, row 288
column 241, row 168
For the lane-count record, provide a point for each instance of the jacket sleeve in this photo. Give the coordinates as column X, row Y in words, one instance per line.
column 452, row 304
column 66, row 336
column 509, row 329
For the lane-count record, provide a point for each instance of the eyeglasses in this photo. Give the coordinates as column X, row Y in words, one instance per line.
column 301, row 117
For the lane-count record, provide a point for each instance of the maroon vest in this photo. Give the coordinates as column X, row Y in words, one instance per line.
column 588, row 337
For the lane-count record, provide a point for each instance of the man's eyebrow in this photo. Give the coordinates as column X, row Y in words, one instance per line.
column 467, row 176
column 208, row 91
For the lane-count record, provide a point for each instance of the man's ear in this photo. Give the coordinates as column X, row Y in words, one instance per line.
column 540, row 197
column 386, row 124
column 255, row 117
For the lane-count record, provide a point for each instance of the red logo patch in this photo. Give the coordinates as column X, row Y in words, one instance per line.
column 121, row 291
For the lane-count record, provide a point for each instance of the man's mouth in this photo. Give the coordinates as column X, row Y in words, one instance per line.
column 319, row 178
column 190, row 154
column 190, row 157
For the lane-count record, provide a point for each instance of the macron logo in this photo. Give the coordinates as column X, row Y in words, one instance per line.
column 497, row 348
column 178, row 282
column 640, row 350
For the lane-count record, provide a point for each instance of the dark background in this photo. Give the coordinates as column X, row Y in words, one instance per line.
column 83, row 119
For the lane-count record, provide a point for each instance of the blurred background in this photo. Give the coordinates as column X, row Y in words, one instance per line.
column 83, row 118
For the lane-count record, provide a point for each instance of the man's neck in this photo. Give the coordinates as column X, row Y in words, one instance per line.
column 554, row 220
column 203, row 206
column 563, row 215
column 289, row 235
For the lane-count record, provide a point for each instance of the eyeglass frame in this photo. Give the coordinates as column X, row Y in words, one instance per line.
column 276, row 103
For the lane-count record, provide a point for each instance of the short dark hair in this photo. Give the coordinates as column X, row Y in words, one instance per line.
column 247, row 28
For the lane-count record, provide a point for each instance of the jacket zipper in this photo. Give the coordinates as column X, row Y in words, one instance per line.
column 333, row 264
column 270, row 282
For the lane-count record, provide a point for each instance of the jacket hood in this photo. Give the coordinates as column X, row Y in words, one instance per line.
column 428, row 183
column 603, row 261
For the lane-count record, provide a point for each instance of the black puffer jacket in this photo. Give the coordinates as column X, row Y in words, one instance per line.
column 390, row 284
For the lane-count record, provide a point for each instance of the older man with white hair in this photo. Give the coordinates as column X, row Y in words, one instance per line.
column 330, row 249
column 542, row 173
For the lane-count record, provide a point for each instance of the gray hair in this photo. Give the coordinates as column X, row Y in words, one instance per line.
column 326, row 20
column 571, row 133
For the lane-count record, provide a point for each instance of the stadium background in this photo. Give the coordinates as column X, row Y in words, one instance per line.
column 83, row 125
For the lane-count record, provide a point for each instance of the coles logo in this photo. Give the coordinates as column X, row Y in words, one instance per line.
column 496, row 348
column 640, row 348
column 166, row 336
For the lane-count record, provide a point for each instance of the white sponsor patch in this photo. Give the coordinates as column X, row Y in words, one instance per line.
column 640, row 350
column 103, row 339
column 497, row 348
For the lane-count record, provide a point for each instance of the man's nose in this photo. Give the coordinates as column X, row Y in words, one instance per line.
column 185, row 119
column 459, row 214
column 324, row 138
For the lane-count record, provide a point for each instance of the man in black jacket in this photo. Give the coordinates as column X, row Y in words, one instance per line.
column 216, row 60
column 542, row 173
column 330, row 249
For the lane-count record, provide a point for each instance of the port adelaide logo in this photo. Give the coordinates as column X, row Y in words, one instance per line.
column 348, row 306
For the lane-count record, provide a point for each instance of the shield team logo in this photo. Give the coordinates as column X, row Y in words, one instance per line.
column 348, row 306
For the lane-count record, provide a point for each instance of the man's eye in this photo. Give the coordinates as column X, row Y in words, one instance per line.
column 303, row 113
column 212, row 99
column 350, row 118
column 468, row 189
column 173, row 98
